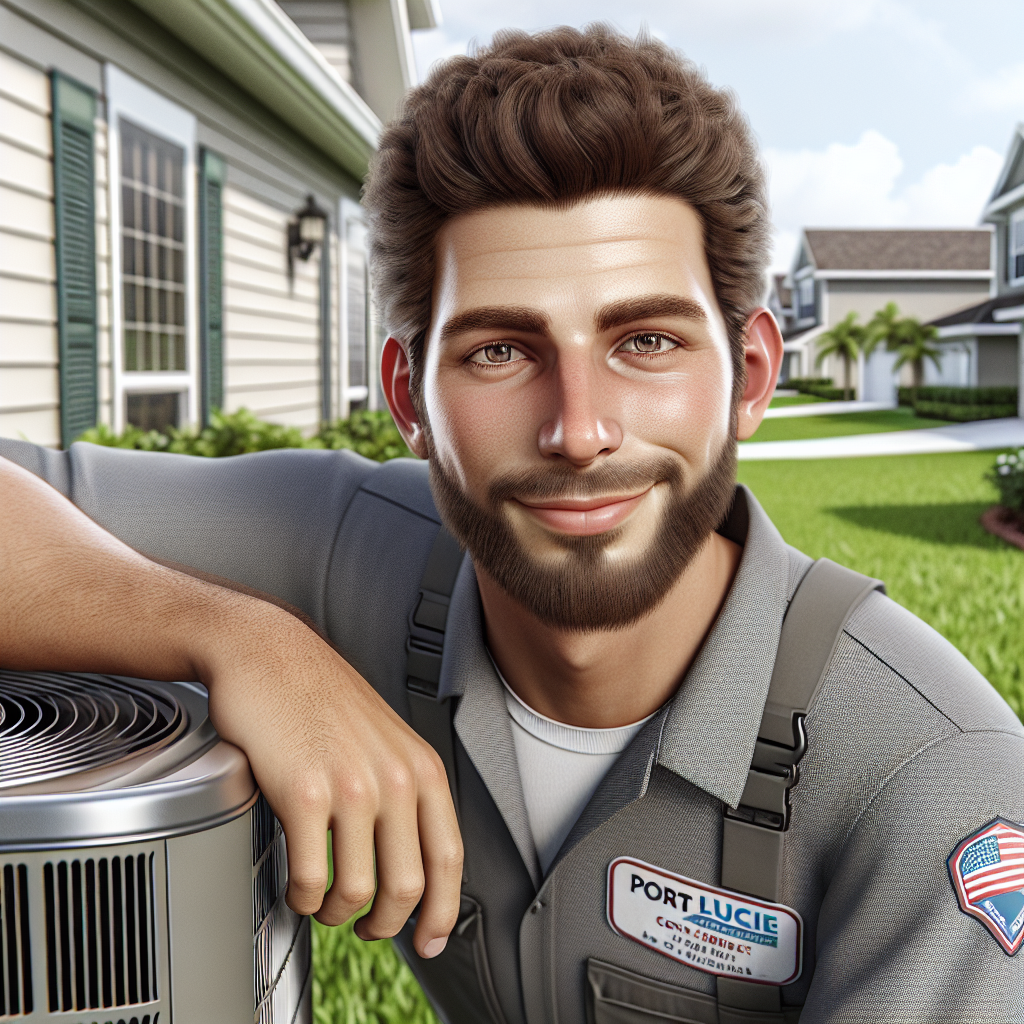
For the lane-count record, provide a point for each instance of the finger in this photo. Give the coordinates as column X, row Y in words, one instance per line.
column 399, row 864
column 307, row 862
column 441, row 849
column 353, row 885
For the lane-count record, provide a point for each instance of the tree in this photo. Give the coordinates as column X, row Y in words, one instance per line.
column 846, row 340
column 906, row 336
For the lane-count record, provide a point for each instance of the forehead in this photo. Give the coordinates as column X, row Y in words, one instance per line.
column 594, row 252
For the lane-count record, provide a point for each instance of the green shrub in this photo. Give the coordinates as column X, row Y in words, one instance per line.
column 370, row 434
column 802, row 383
column 1008, row 476
column 1004, row 396
column 820, row 387
column 962, row 413
column 905, row 396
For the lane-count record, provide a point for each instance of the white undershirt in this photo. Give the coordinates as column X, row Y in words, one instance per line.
column 560, row 766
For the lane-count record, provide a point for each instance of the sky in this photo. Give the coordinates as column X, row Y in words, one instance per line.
column 868, row 112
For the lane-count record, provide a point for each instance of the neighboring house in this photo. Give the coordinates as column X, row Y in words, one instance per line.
column 780, row 302
column 926, row 272
column 982, row 344
column 154, row 158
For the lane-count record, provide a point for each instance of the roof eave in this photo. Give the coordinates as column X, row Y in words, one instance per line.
column 258, row 47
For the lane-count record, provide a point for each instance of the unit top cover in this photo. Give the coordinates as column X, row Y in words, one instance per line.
column 94, row 758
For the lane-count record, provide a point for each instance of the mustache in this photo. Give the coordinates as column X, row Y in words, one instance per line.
column 565, row 481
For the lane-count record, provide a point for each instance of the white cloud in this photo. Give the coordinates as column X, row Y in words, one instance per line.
column 430, row 46
column 1001, row 91
column 859, row 186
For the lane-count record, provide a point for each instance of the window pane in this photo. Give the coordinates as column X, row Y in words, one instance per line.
column 154, row 411
column 153, row 229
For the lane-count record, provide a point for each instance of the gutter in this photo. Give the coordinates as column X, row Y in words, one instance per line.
column 978, row 331
column 256, row 45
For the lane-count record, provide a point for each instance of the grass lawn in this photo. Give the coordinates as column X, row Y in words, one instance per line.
column 798, row 428
column 784, row 400
column 911, row 520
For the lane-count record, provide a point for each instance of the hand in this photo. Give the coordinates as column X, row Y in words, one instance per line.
column 329, row 753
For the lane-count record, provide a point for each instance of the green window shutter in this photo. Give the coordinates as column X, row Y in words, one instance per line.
column 74, row 200
column 212, row 174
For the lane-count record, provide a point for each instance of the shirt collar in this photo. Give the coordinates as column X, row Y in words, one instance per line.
column 713, row 719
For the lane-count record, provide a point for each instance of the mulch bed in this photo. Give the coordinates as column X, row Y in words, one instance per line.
column 1002, row 523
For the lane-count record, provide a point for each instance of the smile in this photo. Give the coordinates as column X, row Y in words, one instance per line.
column 583, row 517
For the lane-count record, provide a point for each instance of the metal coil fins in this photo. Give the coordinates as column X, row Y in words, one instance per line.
column 54, row 724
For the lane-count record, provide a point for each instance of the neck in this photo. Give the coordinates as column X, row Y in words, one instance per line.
column 609, row 678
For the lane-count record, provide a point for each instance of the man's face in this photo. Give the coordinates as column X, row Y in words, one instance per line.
column 577, row 385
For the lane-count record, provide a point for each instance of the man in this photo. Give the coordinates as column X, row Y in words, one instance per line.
column 569, row 238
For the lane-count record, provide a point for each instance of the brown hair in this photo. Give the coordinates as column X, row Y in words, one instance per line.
column 550, row 119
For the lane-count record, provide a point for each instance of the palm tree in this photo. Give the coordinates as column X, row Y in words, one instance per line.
column 913, row 341
column 908, row 337
column 846, row 340
column 882, row 327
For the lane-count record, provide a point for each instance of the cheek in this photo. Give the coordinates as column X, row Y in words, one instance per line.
column 479, row 431
column 687, row 412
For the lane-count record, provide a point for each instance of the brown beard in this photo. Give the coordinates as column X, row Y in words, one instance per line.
column 586, row 592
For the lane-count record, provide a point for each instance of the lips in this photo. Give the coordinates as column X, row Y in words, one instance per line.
column 583, row 517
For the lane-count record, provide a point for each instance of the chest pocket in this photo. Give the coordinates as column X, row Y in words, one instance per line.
column 618, row 996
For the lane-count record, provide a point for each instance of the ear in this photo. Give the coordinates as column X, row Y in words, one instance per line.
column 394, row 379
column 763, row 355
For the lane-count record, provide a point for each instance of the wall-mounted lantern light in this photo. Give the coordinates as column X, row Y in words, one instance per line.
column 305, row 232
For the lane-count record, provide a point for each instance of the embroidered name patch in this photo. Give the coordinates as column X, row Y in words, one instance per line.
column 987, row 871
column 714, row 930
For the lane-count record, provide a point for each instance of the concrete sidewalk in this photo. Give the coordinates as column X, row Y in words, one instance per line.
column 825, row 409
column 961, row 437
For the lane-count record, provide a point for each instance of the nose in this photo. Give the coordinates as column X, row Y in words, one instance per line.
column 583, row 428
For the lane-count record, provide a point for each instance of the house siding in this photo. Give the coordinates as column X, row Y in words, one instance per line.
column 271, row 328
column 327, row 24
column 273, row 349
column 924, row 299
column 29, row 378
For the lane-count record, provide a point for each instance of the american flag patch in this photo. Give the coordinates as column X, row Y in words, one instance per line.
column 987, row 871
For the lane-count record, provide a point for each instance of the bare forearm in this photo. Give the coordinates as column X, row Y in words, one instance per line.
column 74, row 597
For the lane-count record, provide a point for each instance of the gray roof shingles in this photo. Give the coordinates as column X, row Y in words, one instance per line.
column 900, row 248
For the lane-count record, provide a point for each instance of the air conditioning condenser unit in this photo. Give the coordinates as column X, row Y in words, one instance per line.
column 142, row 875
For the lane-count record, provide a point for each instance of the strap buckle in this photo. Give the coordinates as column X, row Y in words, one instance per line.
column 773, row 773
column 424, row 645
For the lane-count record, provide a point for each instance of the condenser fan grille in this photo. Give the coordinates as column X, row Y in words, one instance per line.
column 54, row 724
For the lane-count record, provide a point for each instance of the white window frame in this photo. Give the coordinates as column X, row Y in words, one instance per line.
column 351, row 214
column 129, row 98
column 1014, row 245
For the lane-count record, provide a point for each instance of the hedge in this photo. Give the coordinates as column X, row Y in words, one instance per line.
column 960, row 404
column 820, row 387
column 962, row 413
column 371, row 434
column 967, row 396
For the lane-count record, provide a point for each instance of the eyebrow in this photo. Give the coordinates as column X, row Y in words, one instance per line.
column 512, row 318
column 615, row 314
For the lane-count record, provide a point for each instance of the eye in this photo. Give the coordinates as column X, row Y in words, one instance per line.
column 499, row 352
column 648, row 343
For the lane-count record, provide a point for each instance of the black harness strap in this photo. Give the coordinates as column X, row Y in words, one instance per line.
column 430, row 717
column 753, row 835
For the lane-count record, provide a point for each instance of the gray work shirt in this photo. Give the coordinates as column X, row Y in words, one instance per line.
column 910, row 751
